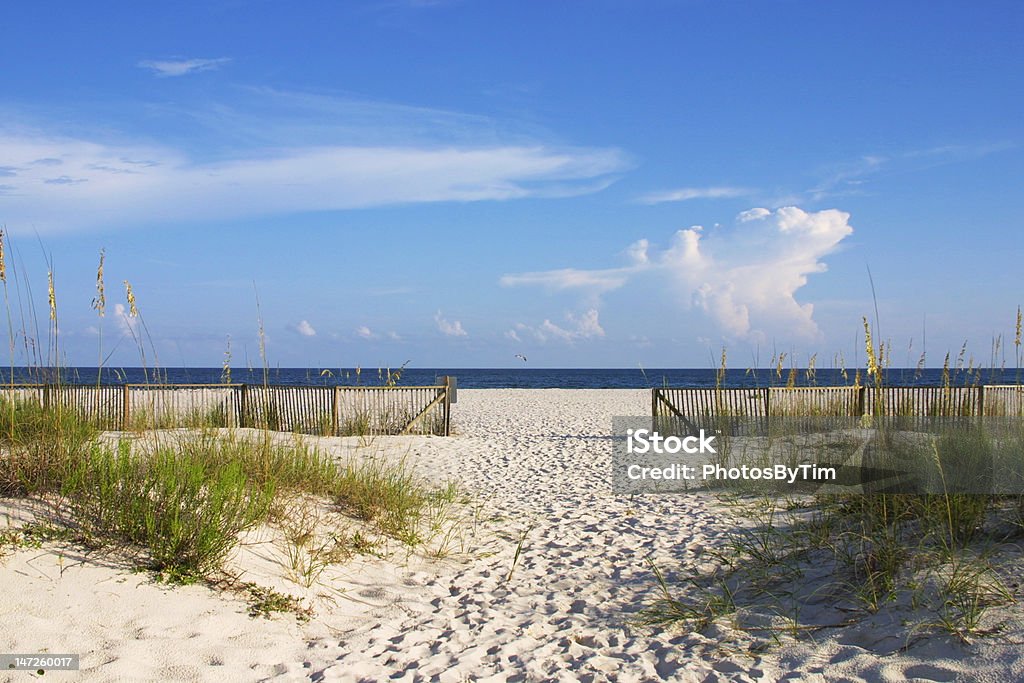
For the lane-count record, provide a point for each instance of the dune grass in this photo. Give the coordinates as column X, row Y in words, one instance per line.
column 183, row 501
column 933, row 561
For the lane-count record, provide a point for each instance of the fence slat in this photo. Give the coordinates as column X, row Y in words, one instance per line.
column 700, row 403
column 324, row 410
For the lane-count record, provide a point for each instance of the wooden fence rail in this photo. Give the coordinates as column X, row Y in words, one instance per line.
column 328, row 411
column 697, row 405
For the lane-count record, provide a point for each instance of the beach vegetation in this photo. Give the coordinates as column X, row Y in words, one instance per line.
column 936, row 560
column 178, row 495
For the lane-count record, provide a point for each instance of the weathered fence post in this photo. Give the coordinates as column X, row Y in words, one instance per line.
column 243, row 404
column 126, row 407
column 336, row 412
column 447, row 405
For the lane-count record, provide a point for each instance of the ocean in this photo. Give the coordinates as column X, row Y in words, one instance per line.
column 503, row 378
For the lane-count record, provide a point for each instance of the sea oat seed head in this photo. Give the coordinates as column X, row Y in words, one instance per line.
column 869, row 347
column 52, row 295
column 133, row 312
column 100, row 302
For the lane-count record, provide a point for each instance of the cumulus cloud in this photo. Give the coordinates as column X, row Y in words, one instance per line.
column 365, row 332
column 180, row 67
column 305, row 329
column 687, row 193
column 745, row 278
column 449, row 328
column 107, row 184
column 578, row 327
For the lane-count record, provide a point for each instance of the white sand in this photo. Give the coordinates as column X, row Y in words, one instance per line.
column 537, row 462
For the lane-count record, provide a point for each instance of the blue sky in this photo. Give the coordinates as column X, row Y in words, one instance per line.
column 598, row 184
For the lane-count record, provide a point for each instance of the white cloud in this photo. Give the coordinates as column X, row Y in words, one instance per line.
column 127, row 325
column 584, row 326
column 89, row 184
column 745, row 278
column 587, row 325
column 180, row 67
column 637, row 252
column 687, row 193
column 449, row 328
column 753, row 215
column 365, row 332
column 394, row 336
column 513, row 335
column 305, row 329
column 571, row 278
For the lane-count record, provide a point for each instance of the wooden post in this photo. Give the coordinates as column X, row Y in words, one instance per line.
column 243, row 404
column 447, row 406
column 336, row 411
column 981, row 400
column 126, row 407
column 861, row 401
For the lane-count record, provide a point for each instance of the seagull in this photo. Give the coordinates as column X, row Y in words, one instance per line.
column 519, row 355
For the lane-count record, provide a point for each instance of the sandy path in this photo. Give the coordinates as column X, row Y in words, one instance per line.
column 541, row 460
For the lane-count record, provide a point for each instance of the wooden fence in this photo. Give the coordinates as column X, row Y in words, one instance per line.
column 706, row 405
column 327, row 411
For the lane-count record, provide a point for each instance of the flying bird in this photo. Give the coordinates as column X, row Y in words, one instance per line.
column 519, row 355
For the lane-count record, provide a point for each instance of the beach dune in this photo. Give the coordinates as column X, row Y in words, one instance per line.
column 543, row 583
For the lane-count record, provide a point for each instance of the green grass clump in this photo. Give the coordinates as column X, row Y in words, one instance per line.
column 265, row 602
column 288, row 467
column 184, row 511
column 40, row 445
column 385, row 494
column 400, row 504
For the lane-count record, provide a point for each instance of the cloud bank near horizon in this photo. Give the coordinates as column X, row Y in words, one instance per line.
column 745, row 277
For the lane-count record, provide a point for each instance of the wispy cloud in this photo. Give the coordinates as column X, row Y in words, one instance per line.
column 687, row 193
column 449, row 328
column 571, row 278
column 305, row 329
column 65, row 180
column 180, row 67
column 745, row 278
column 852, row 177
column 364, row 332
column 106, row 184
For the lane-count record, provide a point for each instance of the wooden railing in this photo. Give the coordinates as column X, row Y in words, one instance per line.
column 328, row 411
column 717, row 404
